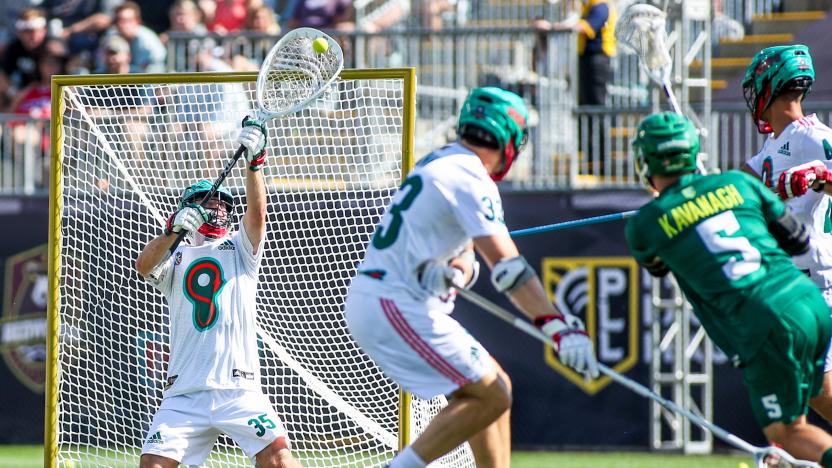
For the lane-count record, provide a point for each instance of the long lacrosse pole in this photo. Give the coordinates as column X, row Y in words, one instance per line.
column 572, row 224
column 758, row 452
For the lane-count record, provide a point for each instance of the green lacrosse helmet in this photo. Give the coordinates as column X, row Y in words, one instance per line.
column 666, row 143
column 496, row 118
column 773, row 71
column 218, row 223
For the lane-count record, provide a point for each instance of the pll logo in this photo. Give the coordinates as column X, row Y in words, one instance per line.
column 603, row 292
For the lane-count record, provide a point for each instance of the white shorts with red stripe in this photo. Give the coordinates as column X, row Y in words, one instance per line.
column 423, row 349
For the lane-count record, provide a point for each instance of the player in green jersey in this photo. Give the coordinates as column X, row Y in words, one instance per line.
column 727, row 239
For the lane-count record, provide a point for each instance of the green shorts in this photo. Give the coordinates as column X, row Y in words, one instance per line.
column 788, row 369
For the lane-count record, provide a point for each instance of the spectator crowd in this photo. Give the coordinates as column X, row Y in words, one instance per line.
column 41, row 38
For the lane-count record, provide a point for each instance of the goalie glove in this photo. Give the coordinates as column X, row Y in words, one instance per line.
column 797, row 180
column 571, row 342
column 253, row 138
column 189, row 219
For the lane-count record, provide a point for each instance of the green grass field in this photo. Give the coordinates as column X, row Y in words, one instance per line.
column 31, row 456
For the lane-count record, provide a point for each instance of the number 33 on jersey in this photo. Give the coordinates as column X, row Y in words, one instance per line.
column 447, row 200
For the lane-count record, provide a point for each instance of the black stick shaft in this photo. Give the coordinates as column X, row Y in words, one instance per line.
column 220, row 179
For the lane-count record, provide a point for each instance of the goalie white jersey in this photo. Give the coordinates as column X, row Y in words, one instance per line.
column 447, row 200
column 210, row 291
column 804, row 140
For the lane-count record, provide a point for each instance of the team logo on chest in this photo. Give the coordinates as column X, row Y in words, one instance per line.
column 202, row 285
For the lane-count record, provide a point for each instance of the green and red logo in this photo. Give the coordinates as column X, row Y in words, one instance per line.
column 23, row 318
column 202, row 286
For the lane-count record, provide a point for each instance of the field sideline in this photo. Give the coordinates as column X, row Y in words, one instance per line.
column 30, row 456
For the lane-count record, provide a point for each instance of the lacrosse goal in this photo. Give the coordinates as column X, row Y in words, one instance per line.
column 124, row 147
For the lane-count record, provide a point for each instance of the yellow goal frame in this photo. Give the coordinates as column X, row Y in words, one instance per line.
column 50, row 447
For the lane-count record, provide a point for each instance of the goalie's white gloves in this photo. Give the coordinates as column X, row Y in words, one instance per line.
column 253, row 138
column 797, row 180
column 439, row 279
column 571, row 342
column 189, row 219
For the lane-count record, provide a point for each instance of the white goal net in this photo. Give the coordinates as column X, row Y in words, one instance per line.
column 126, row 147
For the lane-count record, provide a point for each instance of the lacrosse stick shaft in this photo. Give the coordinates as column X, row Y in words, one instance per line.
column 671, row 97
column 572, row 224
column 636, row 387
column 219, row 180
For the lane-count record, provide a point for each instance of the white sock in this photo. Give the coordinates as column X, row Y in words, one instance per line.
column 407, row 458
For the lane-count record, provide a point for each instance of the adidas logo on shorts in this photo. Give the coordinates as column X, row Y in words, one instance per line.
column 227, row 245
column 784, row 150
column 155, row 438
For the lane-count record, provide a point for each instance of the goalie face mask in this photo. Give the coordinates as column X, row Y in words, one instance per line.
column 773, row 71
column 219, row 208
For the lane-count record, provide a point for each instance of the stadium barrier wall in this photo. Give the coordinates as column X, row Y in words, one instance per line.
column 589, row 268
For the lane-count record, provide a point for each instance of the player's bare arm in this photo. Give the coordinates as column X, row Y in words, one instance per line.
column 513, row 276
column 253, row 137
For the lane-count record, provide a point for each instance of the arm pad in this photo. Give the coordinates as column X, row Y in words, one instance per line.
column 790, row 233
column 469, row 257
column 511, row 273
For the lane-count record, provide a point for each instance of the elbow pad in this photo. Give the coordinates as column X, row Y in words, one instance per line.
column 469, row 257
column 791, row 235
column 511, row 273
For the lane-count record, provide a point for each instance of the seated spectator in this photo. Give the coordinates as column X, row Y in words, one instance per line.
column 226, row 16
column 19, row 64
column 147, row 51
column 80, row 22
column 322, row 14
column 262, row 20
column 186, row 18
column 116, row 52
column 34, row 100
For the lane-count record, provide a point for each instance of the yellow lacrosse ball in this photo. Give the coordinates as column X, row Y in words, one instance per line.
column 320, row 45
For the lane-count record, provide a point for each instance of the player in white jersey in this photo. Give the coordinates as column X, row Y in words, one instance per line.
column 794, row 159
column 213, row 377
column 398, row 303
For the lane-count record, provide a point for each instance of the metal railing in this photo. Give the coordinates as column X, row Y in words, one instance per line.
column 744, row 10
column 580, row 148
column 419, row 13
column 24, row 154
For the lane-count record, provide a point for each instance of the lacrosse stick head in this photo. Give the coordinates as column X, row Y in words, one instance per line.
column 294, row 73
column 641, row 28
column 775, row 457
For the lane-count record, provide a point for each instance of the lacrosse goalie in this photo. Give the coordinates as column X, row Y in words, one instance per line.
column 213, row 377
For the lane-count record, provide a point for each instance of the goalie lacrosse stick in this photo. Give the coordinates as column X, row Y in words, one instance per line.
column 762, row 455
column 291, row 77
column 642, row 29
